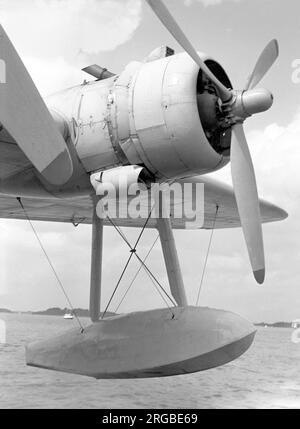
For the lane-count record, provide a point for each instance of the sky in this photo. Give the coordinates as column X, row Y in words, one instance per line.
column 55, row 39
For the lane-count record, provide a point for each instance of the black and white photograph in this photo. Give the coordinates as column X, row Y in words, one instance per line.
column 149, row 207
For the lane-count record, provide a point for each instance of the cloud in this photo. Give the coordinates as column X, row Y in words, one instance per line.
column 63, row 27
column 52, row 75
column 274, row 151
column 208, row 2
column 56, row 38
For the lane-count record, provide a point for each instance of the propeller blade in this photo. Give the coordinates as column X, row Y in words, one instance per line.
column 246, row 194
column 264, row 63
column 26, row 117
column 169, row 22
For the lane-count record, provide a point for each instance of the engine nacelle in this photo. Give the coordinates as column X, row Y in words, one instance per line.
column 152, row 115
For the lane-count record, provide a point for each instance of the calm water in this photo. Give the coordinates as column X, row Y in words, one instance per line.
column 268, row 376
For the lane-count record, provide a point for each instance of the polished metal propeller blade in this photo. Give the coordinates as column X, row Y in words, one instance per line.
column 169, row 22
column 245, row 188
column 264, row 63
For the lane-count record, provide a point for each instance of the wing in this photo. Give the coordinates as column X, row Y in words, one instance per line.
column 12, row 160
column 26, row 117
column 79, row 210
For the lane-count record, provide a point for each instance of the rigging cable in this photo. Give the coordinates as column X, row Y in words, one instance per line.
column 148, row 271
column 150, row 274
column 51, row 265
column 132, row 252
column 207, row 255
column 137, row 274
column 152, row 278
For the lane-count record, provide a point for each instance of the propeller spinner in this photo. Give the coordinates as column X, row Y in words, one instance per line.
column 237, row 106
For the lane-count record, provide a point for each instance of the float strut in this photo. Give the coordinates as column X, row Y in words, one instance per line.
column 171, row 260
column 96, row 266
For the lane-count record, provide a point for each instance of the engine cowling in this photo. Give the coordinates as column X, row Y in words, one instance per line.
column 161, row 118
column 162, row 115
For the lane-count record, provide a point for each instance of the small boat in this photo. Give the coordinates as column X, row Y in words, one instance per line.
column 68, row 316
column 296, row 324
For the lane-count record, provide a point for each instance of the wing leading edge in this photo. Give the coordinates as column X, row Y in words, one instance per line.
column 79, row 210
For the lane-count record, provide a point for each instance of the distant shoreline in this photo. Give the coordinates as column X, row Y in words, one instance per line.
column 274, row 325
column 80, row 312
column 49, row 312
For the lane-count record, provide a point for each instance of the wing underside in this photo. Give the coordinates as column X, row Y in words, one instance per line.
column 80, row 210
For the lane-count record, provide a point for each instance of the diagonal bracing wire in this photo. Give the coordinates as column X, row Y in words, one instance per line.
column 207, row 255
column 137, row 274
column 132, row 252
column 151, row 275
column 142, row 265
column 51, row 264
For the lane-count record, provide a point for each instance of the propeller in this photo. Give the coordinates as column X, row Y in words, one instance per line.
column 237, row 106
column 263, row 65
column 246, row 194
column 169, row 22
